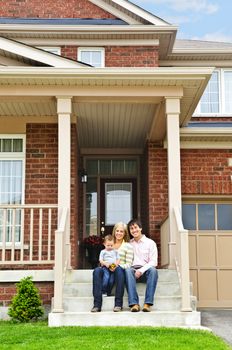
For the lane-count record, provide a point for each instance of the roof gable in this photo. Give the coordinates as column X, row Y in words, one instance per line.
column 129, row 12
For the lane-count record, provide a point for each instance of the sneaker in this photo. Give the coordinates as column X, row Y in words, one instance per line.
column 104, row 294
column 135, row 308
column 146, row 308
column 117, row 308
column 95, row 309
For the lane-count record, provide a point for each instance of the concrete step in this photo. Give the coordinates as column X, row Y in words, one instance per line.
column 126, row 318
column 82, row 304
column 85, row 276
column 85, row 289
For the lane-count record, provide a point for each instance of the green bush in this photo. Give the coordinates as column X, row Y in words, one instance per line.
column 26, row 304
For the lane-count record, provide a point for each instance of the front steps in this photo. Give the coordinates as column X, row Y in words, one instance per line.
column 78, row 302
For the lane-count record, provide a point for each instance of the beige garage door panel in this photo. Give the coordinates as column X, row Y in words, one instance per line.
column 207, row 251
column 211, row 268
column 225, row 251
column 207, row 281
column 225, row 285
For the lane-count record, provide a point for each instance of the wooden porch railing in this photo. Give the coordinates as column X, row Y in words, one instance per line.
column 27, row 234
column 182, row 260
column 62, row 256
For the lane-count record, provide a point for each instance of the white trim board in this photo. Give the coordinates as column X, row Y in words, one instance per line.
column 7, row 276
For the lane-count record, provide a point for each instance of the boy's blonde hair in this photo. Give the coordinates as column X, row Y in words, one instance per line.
column 108, row 238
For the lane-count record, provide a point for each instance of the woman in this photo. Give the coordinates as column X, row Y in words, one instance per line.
column 125, row 250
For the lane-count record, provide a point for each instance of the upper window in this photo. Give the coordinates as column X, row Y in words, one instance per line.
column 217, row 97
column 94, row 56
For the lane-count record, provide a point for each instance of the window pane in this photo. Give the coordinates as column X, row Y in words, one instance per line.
column 91, row 207
column 92, row 167
column 105, row 167
column 118, row 199
column 6, row 145
column 228, row 91
column 210, row 100
column 189, row 216
column 17, row 145
column 224, row 212
column 206, row 217
column 117, row 167
column 131, row 167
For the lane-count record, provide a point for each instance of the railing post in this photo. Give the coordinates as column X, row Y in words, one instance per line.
column 58, row 272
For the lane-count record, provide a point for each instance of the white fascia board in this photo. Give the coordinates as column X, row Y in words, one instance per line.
column 81, row 29
column 206, row 131
column 159, row 72
column 140, row 12
column 36, row 54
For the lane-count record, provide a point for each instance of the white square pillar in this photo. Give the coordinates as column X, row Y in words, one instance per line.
column 174, row 169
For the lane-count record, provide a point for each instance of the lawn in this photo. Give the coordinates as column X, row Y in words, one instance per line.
column 38, row 336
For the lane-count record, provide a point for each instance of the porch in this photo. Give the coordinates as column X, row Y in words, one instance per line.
column 156, row 102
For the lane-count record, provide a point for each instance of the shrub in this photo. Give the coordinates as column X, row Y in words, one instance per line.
column 26, row 304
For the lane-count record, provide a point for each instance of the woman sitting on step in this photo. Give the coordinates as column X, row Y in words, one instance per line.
column 125, row 250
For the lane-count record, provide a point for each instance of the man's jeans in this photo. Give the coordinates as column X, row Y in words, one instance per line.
column 98, row 283
column 150, row 277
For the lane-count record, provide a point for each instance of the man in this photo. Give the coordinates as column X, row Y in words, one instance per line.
column 143, row 268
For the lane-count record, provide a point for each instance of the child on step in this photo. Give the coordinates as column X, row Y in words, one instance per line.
column 109, row 260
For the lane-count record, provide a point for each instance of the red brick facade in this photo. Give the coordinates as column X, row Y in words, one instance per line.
column 8, row 290
column 206, row 172
column 51, row 9
column 131, row 56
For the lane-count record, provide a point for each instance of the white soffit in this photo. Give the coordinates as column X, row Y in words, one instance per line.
column 37, row 54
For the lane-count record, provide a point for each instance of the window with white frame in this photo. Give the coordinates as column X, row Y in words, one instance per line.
column 94, row 56
column 12, row 158
column 217, row 97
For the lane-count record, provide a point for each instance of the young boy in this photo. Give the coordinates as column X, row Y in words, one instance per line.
column 109, row 260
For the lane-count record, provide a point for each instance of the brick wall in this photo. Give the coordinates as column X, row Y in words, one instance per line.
column 131, row 56
column 51, row 9
column 8, row 290
column 157, row 190
column 206, row 172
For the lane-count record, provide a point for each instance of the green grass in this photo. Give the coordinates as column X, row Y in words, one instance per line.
column 38, row 336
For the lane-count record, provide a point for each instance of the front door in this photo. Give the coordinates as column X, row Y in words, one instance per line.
column 118, row 202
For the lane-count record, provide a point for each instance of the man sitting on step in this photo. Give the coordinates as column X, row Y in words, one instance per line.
column 143, row 268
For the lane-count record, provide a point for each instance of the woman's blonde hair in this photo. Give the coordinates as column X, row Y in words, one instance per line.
column 126, row 236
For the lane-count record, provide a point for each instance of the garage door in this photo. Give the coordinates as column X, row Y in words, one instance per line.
column 210, row 247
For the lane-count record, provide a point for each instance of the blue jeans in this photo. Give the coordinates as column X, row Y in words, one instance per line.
column 107, row 280
column 150, row 277
column 119, row 278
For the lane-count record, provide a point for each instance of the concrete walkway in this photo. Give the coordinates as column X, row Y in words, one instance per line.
column 220, row 321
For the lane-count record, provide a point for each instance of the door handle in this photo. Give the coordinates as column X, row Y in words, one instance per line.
column 102, row 228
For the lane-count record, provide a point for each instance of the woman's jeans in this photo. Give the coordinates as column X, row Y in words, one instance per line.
column 150, row 277
column 119, row 279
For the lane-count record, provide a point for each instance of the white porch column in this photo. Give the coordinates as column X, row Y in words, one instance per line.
column 174, row 170
column 64, row 108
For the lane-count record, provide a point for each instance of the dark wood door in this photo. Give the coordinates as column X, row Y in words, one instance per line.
column 118, row 202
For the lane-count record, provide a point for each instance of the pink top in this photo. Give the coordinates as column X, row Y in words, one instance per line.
column 145, row 253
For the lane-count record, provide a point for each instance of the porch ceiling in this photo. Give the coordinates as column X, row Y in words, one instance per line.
column 115, row 108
